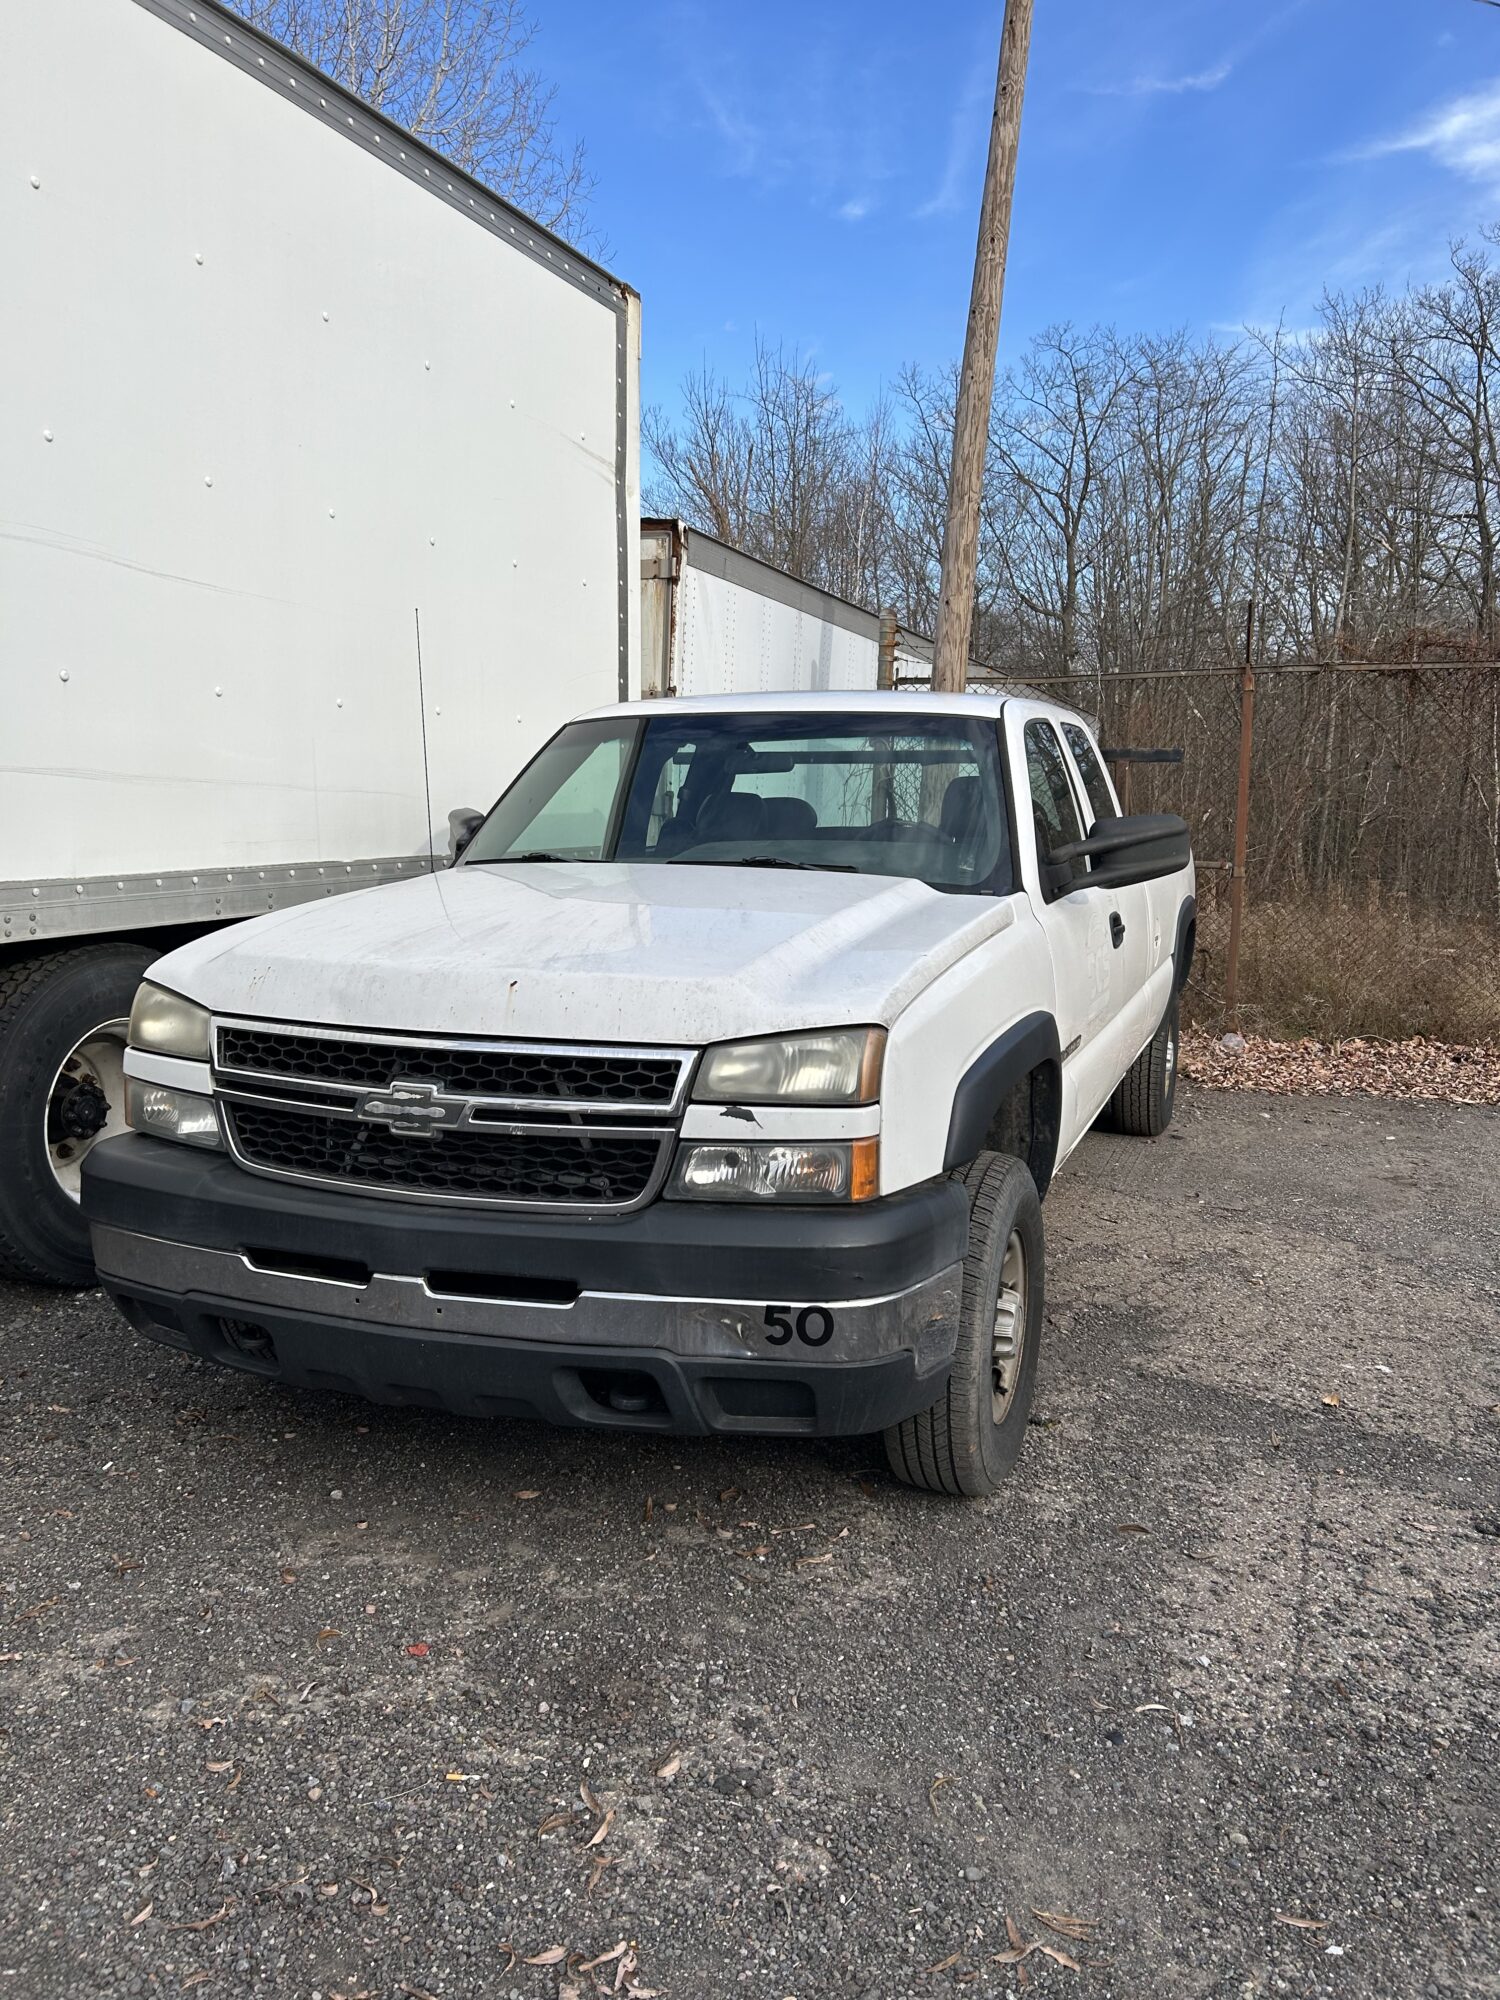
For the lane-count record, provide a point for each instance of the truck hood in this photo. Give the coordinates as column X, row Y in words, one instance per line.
column 592, row 952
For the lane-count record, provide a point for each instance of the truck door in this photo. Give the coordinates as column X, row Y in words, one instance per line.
column 1135, row 932
column 1075, row 921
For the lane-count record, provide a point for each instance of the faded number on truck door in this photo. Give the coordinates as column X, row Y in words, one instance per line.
column 812, row 1325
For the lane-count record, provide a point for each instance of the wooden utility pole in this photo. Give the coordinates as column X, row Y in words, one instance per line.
column 976, row 387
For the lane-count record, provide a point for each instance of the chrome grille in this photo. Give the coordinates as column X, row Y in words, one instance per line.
column 511, row 1124
column 556, row 1166
column 618, row 1077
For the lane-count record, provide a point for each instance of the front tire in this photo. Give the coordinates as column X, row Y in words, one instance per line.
column 1144, row 1096
column 969, row 1439
column 63, row 1018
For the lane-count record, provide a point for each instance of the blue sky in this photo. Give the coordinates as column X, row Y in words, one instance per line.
column 812, row 170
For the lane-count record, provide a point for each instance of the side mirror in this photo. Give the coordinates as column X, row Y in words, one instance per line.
column 1128, row 848
column 463, row 823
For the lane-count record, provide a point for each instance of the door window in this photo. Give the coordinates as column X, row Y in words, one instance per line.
column 1053, row 810
column 1101, row 798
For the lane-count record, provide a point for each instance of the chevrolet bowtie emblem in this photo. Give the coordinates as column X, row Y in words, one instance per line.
column 415, row 1110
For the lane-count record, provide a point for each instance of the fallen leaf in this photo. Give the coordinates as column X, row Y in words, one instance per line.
column 933, row 1789
column 552, row 1822
column 668, row 1770
column 1012, row 1931
column 227, row 1765
column 729, row 1493
column 420, row 1650
column 140, row 1916
column 1332, row 1401
column 289, row 1576
column 554, row 1955
column 1080, row 1929
column 602, row 1829
column 1131, row 1528
column 205, row 1923
column 588, row 1799
column 1303, row 1923
column 606, row 1957
column 527, row 1493
column 328, row 1632
column 596, row 1873
column 943, row 1963
column 195, row 1979
column 804, row 1561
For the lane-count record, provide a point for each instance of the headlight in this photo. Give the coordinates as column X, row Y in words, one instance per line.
column 167, row 1024
column 818, row 1170
column 838, row 1066
column 171, row 1114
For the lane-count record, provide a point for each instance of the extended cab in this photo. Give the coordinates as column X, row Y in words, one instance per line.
column 715, row 1088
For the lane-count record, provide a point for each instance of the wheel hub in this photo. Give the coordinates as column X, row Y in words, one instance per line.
column 1009, row 1339
column 86, row 1102
column 81, row 1109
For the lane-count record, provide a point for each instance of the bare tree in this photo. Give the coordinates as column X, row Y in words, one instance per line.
column 780, row 470
column 452, row 72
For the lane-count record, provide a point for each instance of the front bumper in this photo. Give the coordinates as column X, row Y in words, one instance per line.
column 682, row 1317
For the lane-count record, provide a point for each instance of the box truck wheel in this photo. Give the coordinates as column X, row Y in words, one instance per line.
column 63, row 1018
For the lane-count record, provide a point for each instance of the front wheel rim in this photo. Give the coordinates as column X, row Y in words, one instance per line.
column 1008, row 1343
column 86, row 1102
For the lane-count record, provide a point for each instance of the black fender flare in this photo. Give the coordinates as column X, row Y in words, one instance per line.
column 1027, row 1045
column 1185, row 942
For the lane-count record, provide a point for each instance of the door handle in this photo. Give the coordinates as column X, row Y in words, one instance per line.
column 1116, row 929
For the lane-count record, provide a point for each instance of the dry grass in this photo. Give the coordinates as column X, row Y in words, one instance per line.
column 1333, row 969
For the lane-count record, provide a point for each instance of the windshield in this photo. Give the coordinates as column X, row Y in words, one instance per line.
column 908, row 795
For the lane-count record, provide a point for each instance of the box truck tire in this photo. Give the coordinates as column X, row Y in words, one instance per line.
column 63, row 1017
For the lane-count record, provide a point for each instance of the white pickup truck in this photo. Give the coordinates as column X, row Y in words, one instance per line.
column 715, row 1088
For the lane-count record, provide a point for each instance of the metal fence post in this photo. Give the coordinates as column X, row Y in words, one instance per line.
column 885, row 671
column 1241, row 828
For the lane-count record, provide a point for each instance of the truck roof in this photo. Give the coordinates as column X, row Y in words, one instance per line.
column 915, row 701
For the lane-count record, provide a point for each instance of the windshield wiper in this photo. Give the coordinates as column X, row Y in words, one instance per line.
column 764, row 861
column 531, row 854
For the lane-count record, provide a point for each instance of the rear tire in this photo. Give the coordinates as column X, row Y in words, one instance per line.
column 1143, row 1099
column 62, row 1036
column 969, row 1439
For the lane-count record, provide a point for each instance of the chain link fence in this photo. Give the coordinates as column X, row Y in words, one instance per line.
column 1372, row 839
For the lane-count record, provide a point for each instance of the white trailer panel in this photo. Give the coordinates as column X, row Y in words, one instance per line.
column 715, row 621
column 317, row 476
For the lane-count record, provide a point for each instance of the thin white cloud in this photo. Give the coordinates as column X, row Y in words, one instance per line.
column 1166, row 86
column 1462, row 135
column 856, row 209
column 962, row 131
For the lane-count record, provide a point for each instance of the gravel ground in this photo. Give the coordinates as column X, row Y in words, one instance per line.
column 310, row 1698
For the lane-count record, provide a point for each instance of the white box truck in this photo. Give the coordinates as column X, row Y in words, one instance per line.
column 318, row 510
column 717, row 621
